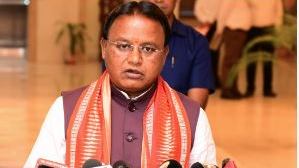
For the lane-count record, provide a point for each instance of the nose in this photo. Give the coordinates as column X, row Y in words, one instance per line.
column 135, row 57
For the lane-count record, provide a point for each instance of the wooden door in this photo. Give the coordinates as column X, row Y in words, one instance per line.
column 106, row 6
column 186, row 8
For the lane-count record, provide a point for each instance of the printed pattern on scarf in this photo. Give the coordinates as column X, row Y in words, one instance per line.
column 167, row 132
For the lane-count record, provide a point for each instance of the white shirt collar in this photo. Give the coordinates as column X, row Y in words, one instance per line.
column 133, row 98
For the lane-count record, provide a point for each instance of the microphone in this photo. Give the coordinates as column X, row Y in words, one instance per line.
column 202, row 165
column 94, row 163
column 120, row 164
column 43, row 163
column 171, row 163
column 89, row 163
column 197, row 165
column 228, row 163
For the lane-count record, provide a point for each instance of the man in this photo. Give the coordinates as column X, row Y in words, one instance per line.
column 129, row 113
column 188, row 65
column 206, row 12
column 266, row 17
column 233, row 22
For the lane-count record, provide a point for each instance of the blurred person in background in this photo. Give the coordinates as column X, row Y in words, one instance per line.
column 206, row 12
column 290, row 6
column 266, row 16
column 188, row 65
column 233, row 22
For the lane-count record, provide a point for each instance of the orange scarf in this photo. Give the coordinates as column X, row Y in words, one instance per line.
column 166, row 135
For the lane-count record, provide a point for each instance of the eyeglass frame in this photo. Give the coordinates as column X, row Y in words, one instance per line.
column 131, row 48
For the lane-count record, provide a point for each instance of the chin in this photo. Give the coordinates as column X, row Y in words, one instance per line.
column 133, row 89
column 133, row 86
column 130, row 88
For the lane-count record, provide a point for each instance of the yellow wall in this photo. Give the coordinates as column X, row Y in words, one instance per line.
column 177, row 9
column 91, row 19
column 50, row 13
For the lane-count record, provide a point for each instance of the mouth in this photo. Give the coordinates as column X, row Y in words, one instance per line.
column 133, row 74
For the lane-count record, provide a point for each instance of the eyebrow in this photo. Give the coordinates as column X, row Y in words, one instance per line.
column 123, row 39
column 149, row 44
column 120, row 39
column 143, row 43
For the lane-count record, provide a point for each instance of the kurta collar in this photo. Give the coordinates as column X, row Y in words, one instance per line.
column 123, row 98
column 178, row 28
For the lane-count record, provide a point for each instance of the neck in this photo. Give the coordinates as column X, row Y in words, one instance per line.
column 133, row 95
column 170, row 19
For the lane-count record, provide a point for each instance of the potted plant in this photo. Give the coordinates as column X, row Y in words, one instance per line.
column 75, row 34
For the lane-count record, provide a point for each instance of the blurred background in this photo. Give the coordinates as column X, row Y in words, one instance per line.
column 38, row 61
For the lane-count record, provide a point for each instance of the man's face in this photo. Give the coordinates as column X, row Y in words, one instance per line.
column 167, row 6
column 129, row 53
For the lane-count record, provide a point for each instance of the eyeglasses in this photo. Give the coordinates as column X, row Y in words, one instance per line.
column 146, row 50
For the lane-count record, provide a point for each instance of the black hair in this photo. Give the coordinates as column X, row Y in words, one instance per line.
column 145, row 8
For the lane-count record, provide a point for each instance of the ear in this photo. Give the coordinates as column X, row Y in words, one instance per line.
column 166, row 51
column 103, row 48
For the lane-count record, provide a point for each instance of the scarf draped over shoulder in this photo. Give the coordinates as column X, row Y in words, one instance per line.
column 166, row 135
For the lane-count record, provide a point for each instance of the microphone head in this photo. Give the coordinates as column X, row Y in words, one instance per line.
column 228, row 163
column 44, row 166
column 120, row 164
column 171, row 163
column 225, row 161
column 89, row 163
column 197, row 165
column 44, row 163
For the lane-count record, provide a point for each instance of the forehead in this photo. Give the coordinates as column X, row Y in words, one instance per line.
column 136, row 27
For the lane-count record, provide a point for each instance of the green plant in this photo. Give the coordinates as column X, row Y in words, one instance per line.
column 76, row 36
column 285, row 37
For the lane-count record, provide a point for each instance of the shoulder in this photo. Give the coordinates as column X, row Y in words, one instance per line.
column 186, row 33
column 193, row 111
column 189, row 104
column 70, row 99
column 73, row 92
column 185, row 30
column 55, row 109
